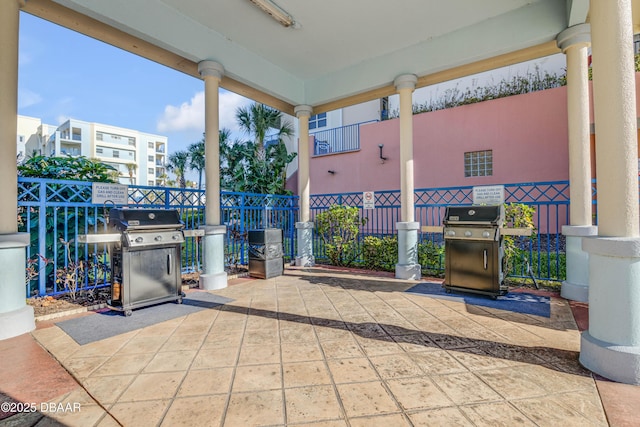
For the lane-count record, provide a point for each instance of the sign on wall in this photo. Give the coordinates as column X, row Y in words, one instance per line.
column 369, row 200
column 102, row 193
column 488, row 195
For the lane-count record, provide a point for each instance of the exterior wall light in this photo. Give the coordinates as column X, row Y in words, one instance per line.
column 381, row 156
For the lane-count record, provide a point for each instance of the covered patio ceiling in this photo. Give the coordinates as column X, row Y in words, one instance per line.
column 337, row 53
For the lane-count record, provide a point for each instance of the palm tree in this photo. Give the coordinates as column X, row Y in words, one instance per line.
column 262, row 169
column 197, row 159
column 131, row 169
column 257, row 119
column 178, row 165
column 162, row 179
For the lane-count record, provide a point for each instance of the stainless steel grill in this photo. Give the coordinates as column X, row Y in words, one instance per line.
column 144, row 255
column 473, row 249
column 145, row 262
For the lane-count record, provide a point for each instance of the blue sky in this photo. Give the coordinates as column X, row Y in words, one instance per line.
column 64, row 74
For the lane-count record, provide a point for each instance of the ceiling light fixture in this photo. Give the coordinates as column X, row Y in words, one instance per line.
column 276, row 12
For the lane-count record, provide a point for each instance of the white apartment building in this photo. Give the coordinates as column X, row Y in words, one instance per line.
column 139, row 157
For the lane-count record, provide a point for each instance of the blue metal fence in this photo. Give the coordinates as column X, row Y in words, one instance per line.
column 56, row 212
column 545, row 253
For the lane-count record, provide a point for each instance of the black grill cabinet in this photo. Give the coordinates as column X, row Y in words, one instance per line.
column 474, row 250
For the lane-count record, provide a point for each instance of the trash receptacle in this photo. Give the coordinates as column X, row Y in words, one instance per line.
column 266, row 257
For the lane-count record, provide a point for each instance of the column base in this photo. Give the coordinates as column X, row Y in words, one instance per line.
column 611, row 346
column 408, row 271
column 407, row 267
column 212, row 282
column 213, row 275
column 614, row 362
column 576, row 287
column 304, row 234
column 17, row 322
column 305, row 261
column 575, row 291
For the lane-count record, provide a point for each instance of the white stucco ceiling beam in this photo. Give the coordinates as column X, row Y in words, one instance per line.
column 577, row 12
column 503, row 34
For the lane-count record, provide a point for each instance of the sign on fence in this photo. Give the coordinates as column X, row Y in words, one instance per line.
column 101, row 193
column 488, row 195
column 368, row 200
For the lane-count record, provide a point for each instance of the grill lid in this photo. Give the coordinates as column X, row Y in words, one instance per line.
column 474, row 215
column 141, row 219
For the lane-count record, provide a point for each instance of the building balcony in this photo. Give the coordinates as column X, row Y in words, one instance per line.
column 337, row 140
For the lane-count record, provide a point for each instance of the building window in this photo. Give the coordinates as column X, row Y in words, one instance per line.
column 150, row 170
column 98, row 150
column 99, row 136
column 150, row 158
column 478, row 163
column 318, row 121
column 152, row 144
column 76, row 134
column 116, row 154
column 132, row 141
column 151, row 182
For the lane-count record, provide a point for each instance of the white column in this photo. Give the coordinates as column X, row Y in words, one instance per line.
column 575, row 42
column 213, row 275
column 611, row 346
column 304, row 228
column 16, row 317
column 407, row 266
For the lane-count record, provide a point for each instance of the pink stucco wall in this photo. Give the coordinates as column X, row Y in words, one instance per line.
column 527, row 133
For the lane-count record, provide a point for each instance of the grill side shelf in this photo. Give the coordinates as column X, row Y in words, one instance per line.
column 99, row 238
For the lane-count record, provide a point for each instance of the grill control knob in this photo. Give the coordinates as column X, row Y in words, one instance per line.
column 174, row 237
column 467, row 233
column 158, row 238
column 451, row 233
column 139, row 239
column 486, row 234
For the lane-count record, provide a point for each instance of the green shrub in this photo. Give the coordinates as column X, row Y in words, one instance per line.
column 431, row 258
column 516, row 215
column 68, row 168
column 339, row 227
column 380, row 253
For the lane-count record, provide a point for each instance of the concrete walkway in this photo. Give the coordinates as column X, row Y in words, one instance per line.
column 324, row 347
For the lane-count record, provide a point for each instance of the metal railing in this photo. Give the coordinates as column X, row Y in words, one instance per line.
column 545, row 253
column 337, row 140
column 56, row 212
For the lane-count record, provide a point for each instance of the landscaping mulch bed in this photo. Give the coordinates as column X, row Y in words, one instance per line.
column 48, row 306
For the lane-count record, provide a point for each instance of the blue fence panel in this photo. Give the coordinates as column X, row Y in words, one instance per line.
column 545, row 252
column 56, row 212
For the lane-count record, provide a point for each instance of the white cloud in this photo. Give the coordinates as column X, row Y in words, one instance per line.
column 229, row 103
column 27, row 98
column 61, row 118
column 190, row 115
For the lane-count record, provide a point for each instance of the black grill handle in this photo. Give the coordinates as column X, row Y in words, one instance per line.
column 169, row 263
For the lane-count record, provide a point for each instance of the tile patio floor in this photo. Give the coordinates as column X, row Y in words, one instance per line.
column 321, row 347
